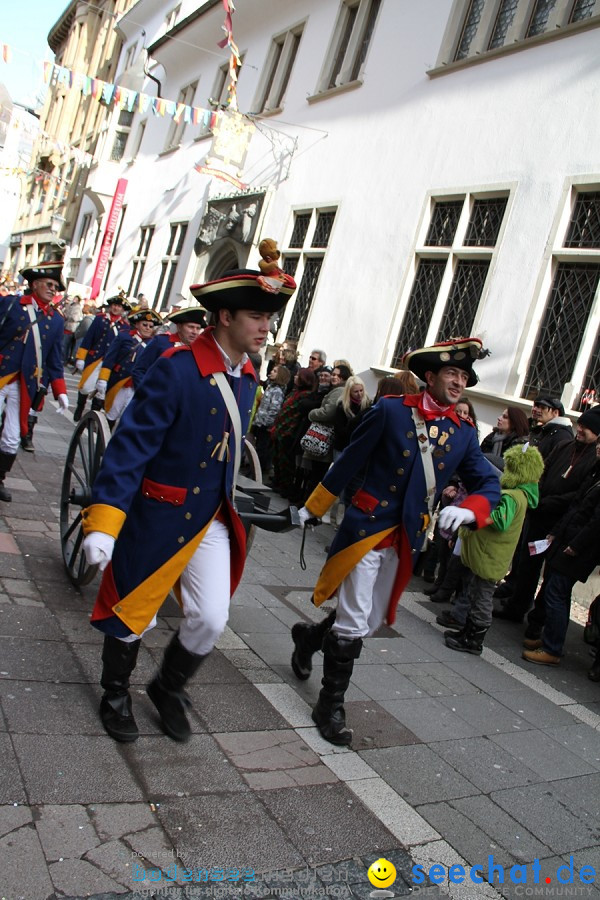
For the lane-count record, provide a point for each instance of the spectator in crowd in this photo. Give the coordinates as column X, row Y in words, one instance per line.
column 317, row 359
column 343, row 362
column 573, row 555
column 353, row 402
column 264, row 420
column 142, row 301
column 486, row 553
column 73, row 313
column 550, row 425
column 315, row 467
column 565, row 470
column 512, row 428
column 286, row 429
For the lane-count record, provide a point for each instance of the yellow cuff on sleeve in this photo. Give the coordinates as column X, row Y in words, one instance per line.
column 81, row 353
column 104, row 374
column 319, row 501
column 100, row 517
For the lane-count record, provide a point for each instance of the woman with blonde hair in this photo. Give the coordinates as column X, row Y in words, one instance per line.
column 350, row 407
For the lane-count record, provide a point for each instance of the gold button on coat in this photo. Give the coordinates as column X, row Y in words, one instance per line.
column 180, row 540
column 362, row 533
column 384, row 503
column 196, row 490
column 188, row 515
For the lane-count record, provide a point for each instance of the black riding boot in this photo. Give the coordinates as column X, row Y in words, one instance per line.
column 6, row 463
column 451, row 582
column 166, row 689
column 338, row 662
column 307, row 640
column 119, row 659
column 27, row 439
column 469, row 640
column 81, row 401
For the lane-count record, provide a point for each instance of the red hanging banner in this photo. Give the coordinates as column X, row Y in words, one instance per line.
column 109, row 233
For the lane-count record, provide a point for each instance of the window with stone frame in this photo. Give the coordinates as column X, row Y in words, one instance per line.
column 140, row 258
column 478, row 27
column 175, row 134
column 307, row 245
column 217, row 98
column 168, row 268
column 122, row 133
column 450, row 270
column 278, row 69
column 567, row 341
column 352, row 36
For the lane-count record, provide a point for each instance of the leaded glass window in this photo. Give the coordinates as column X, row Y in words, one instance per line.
column 561, row 332
column 304, row 297
column 504, row 20
column 584, row 227
column 463, row 300
column 470, row 27
column 444, row 223
column 540, row 17
column 591, row 379
column 485, row 222
column 323, row 229
column 419, row 309
column 582, row 9
column 290, row 264
column 301, row 224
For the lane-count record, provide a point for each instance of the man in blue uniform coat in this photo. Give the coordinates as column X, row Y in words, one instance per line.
column 189, row 323
column 94, row 346
column 31, row 334
column 407, row 448
column 115, row 384
column 166, row 485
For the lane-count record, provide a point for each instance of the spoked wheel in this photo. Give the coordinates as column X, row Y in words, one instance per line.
column 81, row 467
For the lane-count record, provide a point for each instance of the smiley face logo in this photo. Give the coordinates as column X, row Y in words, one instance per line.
column 381, row 873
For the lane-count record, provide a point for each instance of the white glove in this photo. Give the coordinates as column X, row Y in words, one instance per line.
column 101, row 389
column 304, row 515
column 63, row 403
column 452, row 517
column 98, row 548
column 79, row 365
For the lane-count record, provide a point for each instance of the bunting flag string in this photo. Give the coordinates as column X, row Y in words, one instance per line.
column 66, row 150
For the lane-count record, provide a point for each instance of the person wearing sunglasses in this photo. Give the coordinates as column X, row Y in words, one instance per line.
column 31, row 336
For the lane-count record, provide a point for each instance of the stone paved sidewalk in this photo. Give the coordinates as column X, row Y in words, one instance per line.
column 455, row 758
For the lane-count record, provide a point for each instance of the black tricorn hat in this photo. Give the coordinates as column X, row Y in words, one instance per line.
column 244, row 289
column 194, row 314
column 121, row 299
column 460, row 353
column 45, row 270
column 143, row 314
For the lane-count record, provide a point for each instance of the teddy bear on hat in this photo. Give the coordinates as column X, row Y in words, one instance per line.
column 268, row 264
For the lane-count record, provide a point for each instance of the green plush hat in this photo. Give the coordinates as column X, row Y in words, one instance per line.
column 523, row 464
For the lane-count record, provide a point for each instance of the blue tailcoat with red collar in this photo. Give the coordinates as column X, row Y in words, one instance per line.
column 385, row 448
column 97, row 340
column 18, row 356
column 155, row 349
column 161, row 483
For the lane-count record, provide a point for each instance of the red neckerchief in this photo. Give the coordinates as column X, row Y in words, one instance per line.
column 114, row 319
column 42, row 304
column 429, row 415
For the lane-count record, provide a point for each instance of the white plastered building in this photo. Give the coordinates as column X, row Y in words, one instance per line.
column 428, row 169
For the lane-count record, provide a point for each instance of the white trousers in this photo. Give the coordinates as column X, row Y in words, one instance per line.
column 205, row 589
column 11, row 433
column 90, row 382
column 364, row 594
column 122, row 400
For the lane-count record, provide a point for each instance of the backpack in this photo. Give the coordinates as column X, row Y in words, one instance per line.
column 591, row 632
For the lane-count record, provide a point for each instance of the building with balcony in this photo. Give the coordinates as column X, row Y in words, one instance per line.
column 428, row 170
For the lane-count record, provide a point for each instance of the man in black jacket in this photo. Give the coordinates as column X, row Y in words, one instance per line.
column 551, row 426
column 566, row 468
column 573, row 555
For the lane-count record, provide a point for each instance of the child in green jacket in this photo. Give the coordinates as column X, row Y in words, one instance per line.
column 487, row 553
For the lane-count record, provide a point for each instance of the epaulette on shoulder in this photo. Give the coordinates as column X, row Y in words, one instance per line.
column 172, row 350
